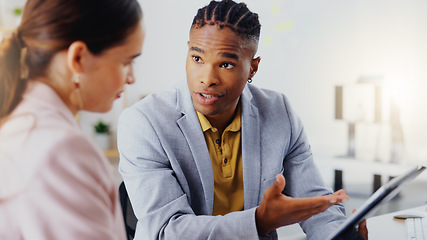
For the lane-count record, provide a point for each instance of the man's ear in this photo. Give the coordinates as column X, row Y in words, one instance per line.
column 254, row 66
column 75, row 54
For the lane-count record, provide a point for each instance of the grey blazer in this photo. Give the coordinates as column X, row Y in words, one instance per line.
column 165, row 164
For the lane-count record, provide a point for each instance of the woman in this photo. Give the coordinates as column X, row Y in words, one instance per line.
column 64, row 57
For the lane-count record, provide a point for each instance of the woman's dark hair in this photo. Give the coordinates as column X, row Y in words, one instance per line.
column 50, row 26
column 227, row 13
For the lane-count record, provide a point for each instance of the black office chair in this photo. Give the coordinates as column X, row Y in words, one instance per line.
column 127, row 210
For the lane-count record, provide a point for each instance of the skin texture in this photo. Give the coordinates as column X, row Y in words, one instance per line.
column 102, row 77
column 219, row 63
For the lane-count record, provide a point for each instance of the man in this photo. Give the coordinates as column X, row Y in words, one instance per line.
column 208, row 160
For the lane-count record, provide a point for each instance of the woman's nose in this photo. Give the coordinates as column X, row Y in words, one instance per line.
column 130, row 79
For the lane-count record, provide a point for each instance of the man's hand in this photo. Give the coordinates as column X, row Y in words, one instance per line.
column 277, row 210
column 362, row 229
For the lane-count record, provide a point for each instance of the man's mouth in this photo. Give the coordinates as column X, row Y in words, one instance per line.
column 207, row 99
column 207, row 96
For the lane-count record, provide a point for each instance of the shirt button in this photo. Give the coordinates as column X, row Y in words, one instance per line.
column 225, row 161
column 217, row 141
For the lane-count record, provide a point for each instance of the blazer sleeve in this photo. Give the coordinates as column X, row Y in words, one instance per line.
column 160, row 204
column 71, row 196
column 303, row 179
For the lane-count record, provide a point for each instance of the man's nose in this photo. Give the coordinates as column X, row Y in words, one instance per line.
column 209, row 76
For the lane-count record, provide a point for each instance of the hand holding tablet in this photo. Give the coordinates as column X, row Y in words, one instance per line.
column 381, row 196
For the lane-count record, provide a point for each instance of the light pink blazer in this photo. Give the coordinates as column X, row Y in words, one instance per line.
column 54, row 183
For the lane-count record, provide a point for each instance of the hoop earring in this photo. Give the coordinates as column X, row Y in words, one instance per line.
column 249, row 80
column 76, row 81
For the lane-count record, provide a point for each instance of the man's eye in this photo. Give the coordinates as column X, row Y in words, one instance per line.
column 197, row 59
column 227, row 65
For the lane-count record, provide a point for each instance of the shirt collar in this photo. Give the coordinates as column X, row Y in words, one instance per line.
column 234, row 126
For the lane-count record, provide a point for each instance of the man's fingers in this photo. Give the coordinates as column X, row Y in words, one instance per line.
column 339, row 196
column 340, row 192
column 278, row 185
column 303, row 214
column 363, row 229
column 317, row 202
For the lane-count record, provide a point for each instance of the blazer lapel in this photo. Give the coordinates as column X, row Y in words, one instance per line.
column 251, row 150
column 190, row 127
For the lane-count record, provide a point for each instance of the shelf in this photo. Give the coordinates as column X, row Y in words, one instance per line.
column 7, row 30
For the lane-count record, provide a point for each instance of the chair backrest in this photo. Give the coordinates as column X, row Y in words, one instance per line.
column 127, row 210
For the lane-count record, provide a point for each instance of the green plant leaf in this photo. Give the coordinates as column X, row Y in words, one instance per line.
column 102, row 127
column 17, row 11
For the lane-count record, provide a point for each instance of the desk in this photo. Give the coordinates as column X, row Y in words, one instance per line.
column 291, row 232
column 379, row 227
column 386, row 227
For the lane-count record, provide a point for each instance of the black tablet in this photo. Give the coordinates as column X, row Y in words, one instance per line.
column 381, row 196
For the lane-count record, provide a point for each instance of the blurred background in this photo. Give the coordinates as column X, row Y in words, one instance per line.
column 354, row 71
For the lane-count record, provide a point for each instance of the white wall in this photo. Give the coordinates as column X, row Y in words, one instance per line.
column 307, row 47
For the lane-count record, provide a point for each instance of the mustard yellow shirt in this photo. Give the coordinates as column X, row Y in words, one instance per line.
column 226, row 158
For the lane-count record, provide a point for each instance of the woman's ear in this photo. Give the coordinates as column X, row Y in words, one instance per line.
column 75, row 54
column 254, row 66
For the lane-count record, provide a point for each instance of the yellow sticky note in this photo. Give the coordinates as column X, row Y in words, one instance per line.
column 284, row 26
column 276, row 9
column 268, row 40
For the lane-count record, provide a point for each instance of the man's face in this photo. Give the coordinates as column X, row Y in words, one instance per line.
column 219, row 63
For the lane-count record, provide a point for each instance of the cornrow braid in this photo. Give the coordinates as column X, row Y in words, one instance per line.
column 228, row 13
